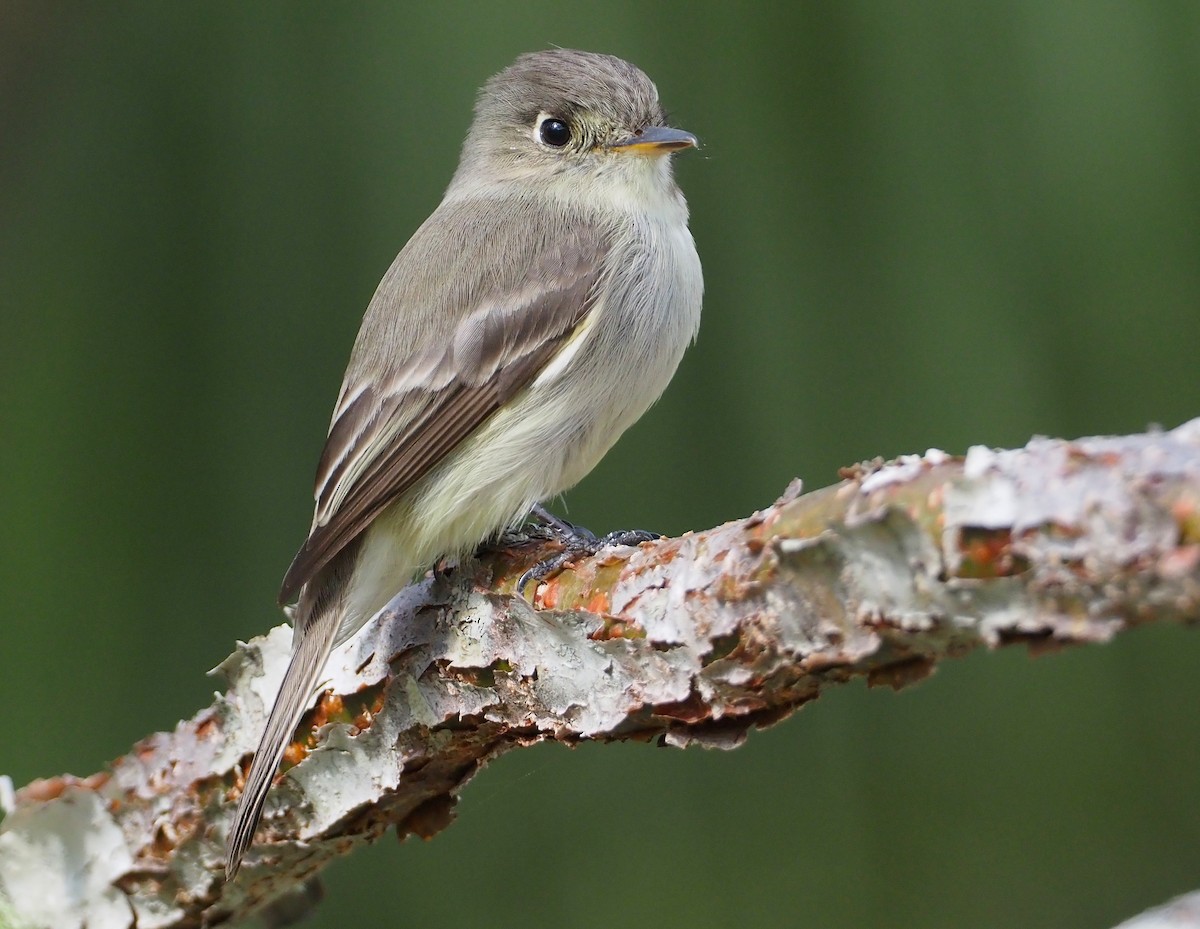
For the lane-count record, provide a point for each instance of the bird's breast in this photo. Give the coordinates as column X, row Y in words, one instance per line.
column 623, row 355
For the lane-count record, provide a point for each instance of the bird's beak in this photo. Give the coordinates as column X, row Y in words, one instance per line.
column 656, row 140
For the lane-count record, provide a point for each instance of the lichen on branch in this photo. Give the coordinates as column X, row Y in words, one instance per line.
column 692, row 640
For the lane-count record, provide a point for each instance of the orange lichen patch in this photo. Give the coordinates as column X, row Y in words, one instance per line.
column 901, row 674
column 614, row 627
column 295, row 753
column 51, row 788
column 356, row 709
column 206, row 728
column 547, row 595
column 331, row 706
column 668, row 553
column 362, row 706
column 598, row 602
column 987, row 553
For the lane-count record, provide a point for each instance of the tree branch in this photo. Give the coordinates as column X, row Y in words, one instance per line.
column 688, row 640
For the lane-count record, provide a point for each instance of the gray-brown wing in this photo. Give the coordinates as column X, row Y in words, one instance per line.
column 388, row 433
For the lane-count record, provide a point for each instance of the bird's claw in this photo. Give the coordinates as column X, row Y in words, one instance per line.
column 577, row 542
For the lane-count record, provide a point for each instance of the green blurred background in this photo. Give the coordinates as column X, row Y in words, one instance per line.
column 922, row 224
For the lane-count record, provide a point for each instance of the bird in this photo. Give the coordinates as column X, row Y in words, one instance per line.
column 536, row 314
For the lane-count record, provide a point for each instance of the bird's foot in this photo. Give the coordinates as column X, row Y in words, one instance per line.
column 576, row 542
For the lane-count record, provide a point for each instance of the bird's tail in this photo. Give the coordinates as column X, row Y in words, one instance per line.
column 311, row 644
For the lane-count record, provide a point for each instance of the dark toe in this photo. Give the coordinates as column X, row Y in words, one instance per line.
column 630, row 537
column 543, row 569
column 578, row 542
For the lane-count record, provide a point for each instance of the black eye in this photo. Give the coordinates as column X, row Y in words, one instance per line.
column 554, row 132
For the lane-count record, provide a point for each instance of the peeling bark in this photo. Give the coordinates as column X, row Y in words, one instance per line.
column 1180, row 913
column 693, row 640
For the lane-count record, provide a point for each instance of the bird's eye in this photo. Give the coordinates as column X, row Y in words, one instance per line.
column 554, row 132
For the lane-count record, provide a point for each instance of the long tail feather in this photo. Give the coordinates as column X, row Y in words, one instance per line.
column 312, row 644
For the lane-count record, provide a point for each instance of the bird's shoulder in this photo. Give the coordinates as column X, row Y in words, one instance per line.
column 473, row 256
